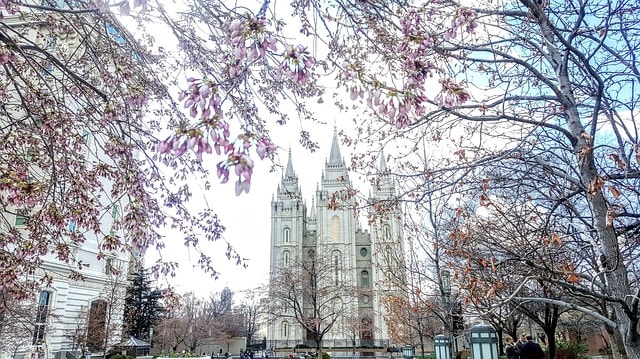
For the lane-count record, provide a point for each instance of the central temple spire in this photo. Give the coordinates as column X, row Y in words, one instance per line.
column 289, row 173
column 335, row 159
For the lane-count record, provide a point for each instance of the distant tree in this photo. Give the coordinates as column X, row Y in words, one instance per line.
column 198, row 325
column 104, row 323
column 250, row 312
column 228, row 327
column 357, row 327
column 77, row 334
column 171, row 332
column 308, row 293
column 17, row 323
column 143, row 308
column 218, row 304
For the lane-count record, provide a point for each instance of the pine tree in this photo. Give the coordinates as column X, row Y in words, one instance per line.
column 143, row 308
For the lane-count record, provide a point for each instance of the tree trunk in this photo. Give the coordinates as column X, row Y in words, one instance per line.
column 616, row 271
column 551, row 344
column 614, row 340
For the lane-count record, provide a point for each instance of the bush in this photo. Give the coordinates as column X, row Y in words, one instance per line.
column 326, row 355
column 120, row 356
column 566, row 349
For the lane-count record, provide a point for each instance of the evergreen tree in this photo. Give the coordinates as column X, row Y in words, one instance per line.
column 143, row 308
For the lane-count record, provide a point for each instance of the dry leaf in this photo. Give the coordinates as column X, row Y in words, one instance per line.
column 614, row 191
column 573, row 278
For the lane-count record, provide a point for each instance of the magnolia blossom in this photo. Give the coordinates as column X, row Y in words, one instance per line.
column 212, row 133
column 265, row 146
column 202, row 98
column 243, row 165
column 464, row 17
column 250, row 38
column 452, row 94
column 415, row 41
column 297, row 64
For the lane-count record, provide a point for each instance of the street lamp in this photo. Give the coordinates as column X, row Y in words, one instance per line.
column 484, row 342
column 442, row 346
column 446, row 285
column 445, row 278
column 407, row 352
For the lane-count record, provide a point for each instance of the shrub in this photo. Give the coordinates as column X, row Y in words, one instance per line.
column 571, row 349
column 120, row 356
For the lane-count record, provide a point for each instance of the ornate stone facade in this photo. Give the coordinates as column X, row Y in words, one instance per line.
column 330, row 228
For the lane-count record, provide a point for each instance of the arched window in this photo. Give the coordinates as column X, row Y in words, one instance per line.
column 386, row 232
column 364, row 278
column 285, row 329
column 286, row 235
column 97, row 325
column 335, row 228
column 42, row 313
column 337, row 257
column 285, row 258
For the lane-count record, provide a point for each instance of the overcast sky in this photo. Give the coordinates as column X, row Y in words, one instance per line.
column 248, row 216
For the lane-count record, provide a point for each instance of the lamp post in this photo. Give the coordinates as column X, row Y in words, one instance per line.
column 446, row 285
column 484, row 342
column 445, row 278
column 407, row 352
column 442, row 346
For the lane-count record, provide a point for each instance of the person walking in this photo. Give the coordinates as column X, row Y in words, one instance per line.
column 531, row 350
column 521, row 341
column 511, row 349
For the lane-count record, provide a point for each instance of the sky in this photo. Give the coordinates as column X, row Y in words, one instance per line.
column 247, row 217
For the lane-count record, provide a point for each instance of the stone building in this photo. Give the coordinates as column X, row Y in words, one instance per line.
column 78, row 312
column 329, row 226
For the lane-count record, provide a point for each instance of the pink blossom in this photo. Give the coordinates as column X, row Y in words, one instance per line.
column 265, row 146
column 452, row 94
column 223, row 171
column 297, row 64
column 242, row 187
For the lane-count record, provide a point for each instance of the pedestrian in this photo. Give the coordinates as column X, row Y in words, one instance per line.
column 522, row 341
column 512, row 351
column 531, row 350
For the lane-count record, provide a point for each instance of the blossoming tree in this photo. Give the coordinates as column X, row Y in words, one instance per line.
column 500, row 89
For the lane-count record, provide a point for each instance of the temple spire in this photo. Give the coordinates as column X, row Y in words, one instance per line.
column 313, row 208
column 335, row 159
column 382, row 167
column 289, row 174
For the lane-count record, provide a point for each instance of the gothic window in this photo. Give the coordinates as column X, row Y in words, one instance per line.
column 386, row 232
column 363, row 252
column 335, row 228
column 44, row 300
column 286, row 235
column 285, row 329
column 364, row 278
column 96, row 328
column 336, row 266
column 285, row 258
